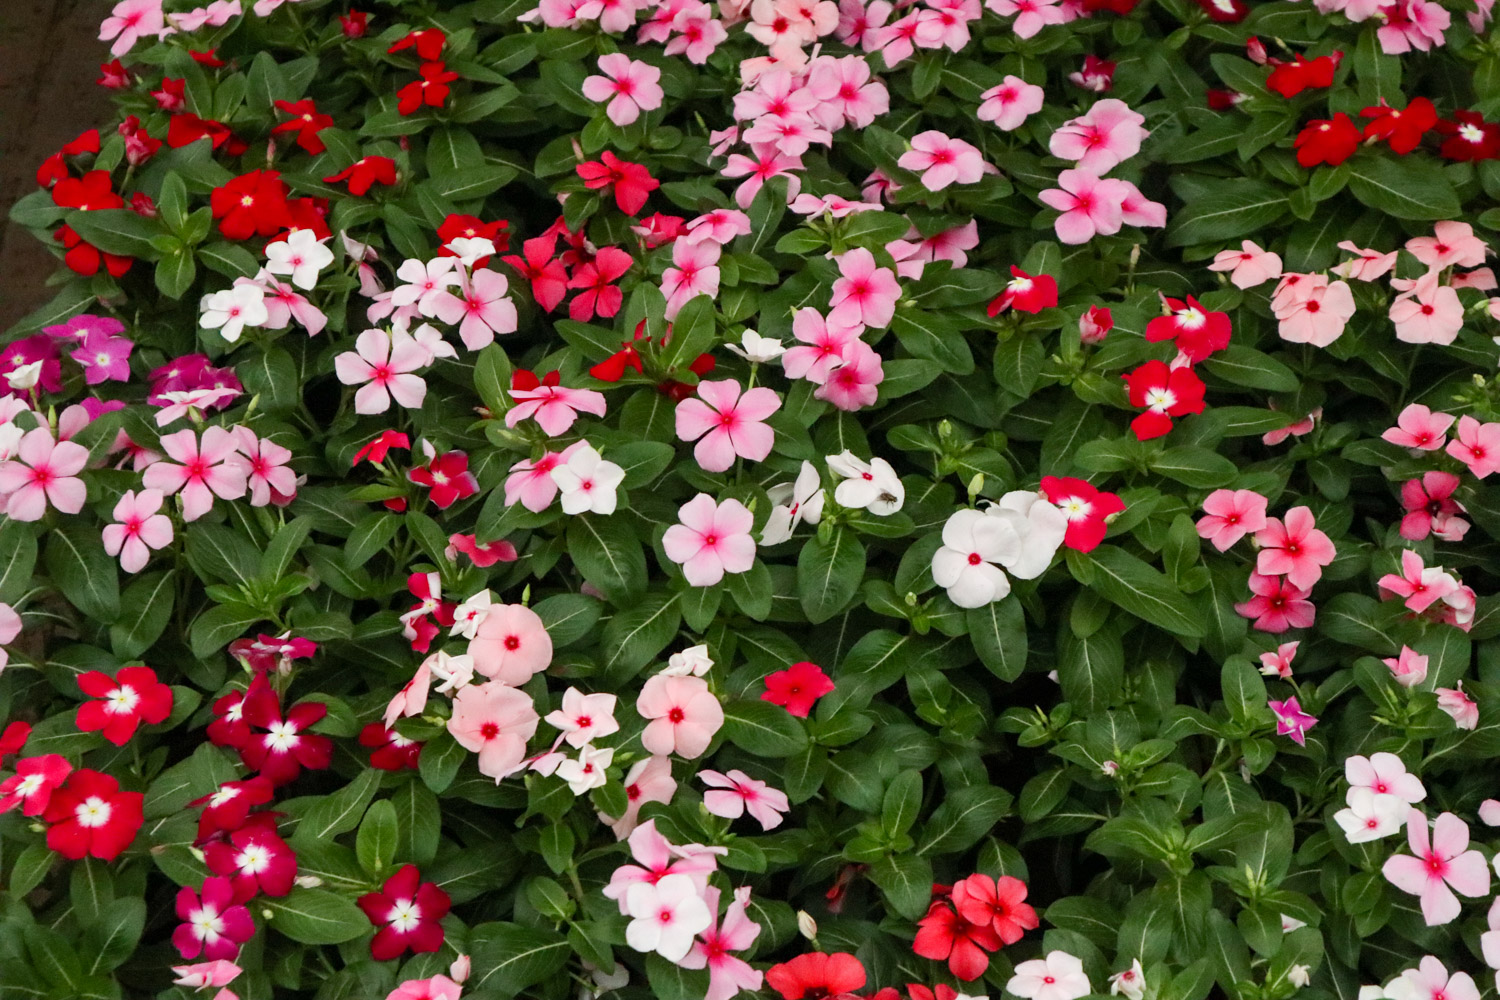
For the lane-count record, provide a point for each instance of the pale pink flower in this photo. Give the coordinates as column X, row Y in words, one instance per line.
column 1231, row 515
column 205, row 469
column 852, row 385
column 138, row 529
column 1384, row 774
column 1477, row 446
column 1409, row 668
column 1135, row 208
column 495, row 721
column 1010, row 103
column 43, row 472
column 1430, row 981
column 1368, row 816
column 511, row 644
column 736, row 793
column 425, row 283
column 206, row 975
column 1367, row 265
column 382, row 365
column 438, row 987
column 1293, row 548
column 1318, row 315
column 1097, row 142
column 1489, row 815
column 1454, row 244
column 1249, row 265
column 695, row 272
column 1031, row 15
column 916, row 251
column 1429, row 313
column 727, row 975
column 1089, row 206
column 711, row 540
column 284, row 303
column 1480, row 279
column 1457, row 703
column 630, row 87
column 684, row 715
column 832, row 205
column 554, row 406
column 826, row 341
column 482, row 308
column 648, row 780
column 945, row 24
column 1436, row 867
column 1278, row 662
column 941, row 160
column 1420, row 428
column 584, row 718
column 1418, row 585
column 719, row 226
column 864, row 293
column 412, row 698
column 269, row 477
column 1297, row 428
column 130, row 21
column 727, row 424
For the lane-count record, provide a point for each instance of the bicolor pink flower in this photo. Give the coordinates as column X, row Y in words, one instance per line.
column 1102, row 139
column 719, row 226
column 684, row 715
column 1417, row 584
column 1089, row 206
column 1431, row 509
column 826, row 341
column 1293, row 547
column 494, row 720
column 1278, row 662
column 511, row 644
column 736, row 793
column 711, row 539
column 206, row 975
column 727, row 975
column 695, row 272
column 1459, row 706
column 382, row 365
column 212, row 923
column 1438, row 866
column 1008, row 104
column 1249, row 266
column 941, row 160
column 1031, row 15
column 1453, row 245
column 43, row 472
column 551, row 404
column 913, row 253
column 1277, row 605
column 852, row 385
column 727, row 424
column 138, row 529
column 864, row 293
column 1409, row 668
column 629, row 85
column 1476, row 445
column 1231, row 515
column 1420, row 428
column 1291, row 720
column 204, row 469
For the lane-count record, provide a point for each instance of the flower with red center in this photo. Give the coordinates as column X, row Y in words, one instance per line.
column 431, row 90
column 405, row 913
column 1164, row 393
column 999, row 904
column 255, row 859
column 1403, row 129
column 1196, row 331
column 43, row 473
column 1291, row 78
column 252, row 204
column 683, row 715
column 90, row 816
column 225, row 810
column 376, row 450
column 306, row 121
column 1089, row 510
column 797, row 688
column 364, row 173
column 32, row 785
column 511, row 644
column 285, row 747
column 131, row 697
column 1431, row 509
column 817, row 976
column 1025, row 292
column 212, row 923
column 1277, row 605
column 1330, row 141
column 427, row 41
column 630, row 183
column 943, row 934
column 596, row 279
column 495, row 721
column 1294, row 548
column 447, row 477
column 390, row 751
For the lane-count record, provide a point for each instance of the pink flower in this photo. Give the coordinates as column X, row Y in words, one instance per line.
column 916, row 251
column 206, row 975
column 212, row 924
column 769, row 162
column 554, row 406
column 728, row 975
column 1412, row 24
column 826, row 341
column 382, row 364
column 1230, row 516
column 1031, row 15
column 1459, row 706
column 941, row 160
column 719, row 226
column 1277, row 605
column 1453, row 244
column 696, row 272
column 1429, row 313
column 745, row 794
column 1278, row 662
column 43, row 472
column 130, row 21
column 1409, row 668
column 648, row 780
column 104, row 358
column 851, row 386
column 1291, row 720
column 482, row 309
column 1419, row 427
column 1368, row 265
column 1437, row 867
column 209, row 468
column 439, row 987
column 1430, row 981
column 1293, row 548
column 864, row 293
column 1476, row 445
column 1250, row 265
column 138, row 529
column 484, row 556
column 845, row 93
column 1418, row 585
column 1431, row 509
column 711, row 540
column 412, row 697
column 657, row 858
column 270, row 479
column 1318, row 314
column 630, row 87
column 511, row 644
column 1384, row 774
column 1102, row 139
column 584, row 718
column 1010, row 103
column 530, row 482
column 727, row 424
column 1089, row 206
column 494, row 720
column 684, row 715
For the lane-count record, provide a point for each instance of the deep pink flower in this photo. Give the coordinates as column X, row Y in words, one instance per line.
column 405, row 913
column 1291, row 720
column 208, row 468
column 1437, row 866
column 1431, row 509
column 797, row 688
column 852, row 384
column 1293, row 548
column 1277, row 605
column 727, row 423
column 596, row 279
column 447, row 477
column 864, row 293
column 1417, row 584
column 1231, row 515
column 104, row 358
column 1477, row 446
column 212, row 923
column 736, row 793
column 727, row 975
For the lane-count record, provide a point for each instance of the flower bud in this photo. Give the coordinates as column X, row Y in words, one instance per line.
column 806, row 925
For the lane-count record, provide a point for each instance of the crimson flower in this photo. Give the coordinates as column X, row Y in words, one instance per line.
column 113, row 75
column 32, row 785
column 285, row 747
column 1088, row 509
column 209, row 58
column 1291, row 78
column 84, row 258
column 213, row 924
column 266, row 653
column 405, row 913
column 365, row 172
column 390, row 750
column 797, row 688
column 548, row 277
column 612, row 368
column 1026, row 293
column 227, row 809
column 252, row 204
column 457, row 226
column 131, row 697
column 597, row 279
column 1165, row 393
column 427, row 589
column 172, row 96
column 255, row 859
column 229, row 728
column 89, row 815
column 1330, row 141
column 1225, row 11
column 306, row 121
column 88, row 193
column 14, row 738
column 52, row 170
column 944, row 935
column 377, row 449
column 355, row 25
column 1223, row 100
column 631, row 182
column 1403, row 129
column 817, row 975
column 1196, row 331
column 432, row 89
column 186, row 128
column 427, row 41
column 1470, row 137
column 448, row 478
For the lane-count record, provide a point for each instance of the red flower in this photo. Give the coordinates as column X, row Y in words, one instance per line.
column 1402, row 129
column 1291, row 78
column 309, row 213
column 597, row 279
column 89, row 815
column 252, row 204
column 944, row 934
column 213, row 924
column 432, row 89
column 548, row 277
column 1196, row 331
column 172, row 96
column 355, row 25
column 255, row 859
column 113, row 75
column 131, row 697
column 32, row 785
column 84, row 258
column 1026, row 293
column 1223, row 100
column 427, row 589
column 52, row 170
column 307, row 122
column 14, row 738
column 226, row 810
column 1225, row 11
column 1470, row 137
column 392, row 751
column 285, row 748
column 999, row 904
column 797, row 687
column 365, row 172
column 1165, row 393
column 377, row 449
column 471, row 227
column 229, row 728
column 612, row 368
column 208, row 58
column 1330, row 141
column 87, row 142
column 427, row 41
column 632, row 183
column 817, row 975
column 189, row 128
column 448, row 477
column 266, row 653
column 405, row 913
column 1088, row 509
column 1120, row 7
column 88, row 193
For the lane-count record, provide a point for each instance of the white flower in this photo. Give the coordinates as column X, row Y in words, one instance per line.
column 584, row 717
column 588, row 482
column 756, row 348
column 1290, row 923
column 1131, row 982
column 1040, row 526
column 469, row 615
column 1489, row 941
column 795, row 503
column 1299, row 976
column 806, row 925
column 233, row 309
column 24, row 377
column 694, row 660
column 429, row 339
column 1370, row 816
column 470, row 248
column 587, row 772
column 454, row 671
column 665, row 916
column 301, row 255
column 1059, row 976
column 1371, row 993
column 872, row 485
column 1021, row 533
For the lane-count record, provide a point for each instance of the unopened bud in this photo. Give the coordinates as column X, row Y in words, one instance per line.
column 197, row 854
column 459, row 970
column 806, row 925
column 976, row 485
column 309, row 881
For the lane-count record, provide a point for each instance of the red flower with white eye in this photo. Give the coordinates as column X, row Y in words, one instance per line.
column 32, row 785
column 212, row 923
column 1025, row 292
column 390, row 750
column 1164, row 393
column 131, row 697
column 1196, row 331
column 227, row 809
column 1089, row 510
column 448, row 479
column 285, row 747
column 229, row 728
column 405, row 912
column 255, row 860
column 90, row 816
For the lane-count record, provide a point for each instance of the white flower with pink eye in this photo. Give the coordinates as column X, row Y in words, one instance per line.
column 231, row 310
column 1131, row 983
column 138, row 529
column 300, row 255
column 1430, row 981
column 425, row 283
column 794, row 503
column 1367, row 816
column 711, row 539
column 588, row 770
column 666, row 916
column 1059, row 976
column 43, row 472
column 469, row 615
column 693, row 661
column 629, row 85
column 1009, row 103
column 584, row 718
column 871, row 485
column 588, row 482
column 1384, row 774
column 736, row 794
column 208, row 468
column 382, row 365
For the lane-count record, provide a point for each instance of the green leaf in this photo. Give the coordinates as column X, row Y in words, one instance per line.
column 1239, row 210
column 118, row 231
column 1143, row 591
column 220, row 625
column 670, row 981
column 273, row 377
column 146, row 607
column 934, row 336
column 829, row 573
column 636, row 635
column 1197, row 467
column 763, row 729
column 1405, row 187
column 84, row 572
column 339, row 812
column 18, row 550
column 30, row 867
column 1091, row 668
column 508, row 958
column 112, row 937
column 375, row 844
column 966, row 814
column 567, row 617
column 608, row 554
column 315, row 916
column 906, row 881
column 902, row 802
column 441, row 758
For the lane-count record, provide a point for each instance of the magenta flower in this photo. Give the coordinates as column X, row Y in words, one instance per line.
column 43, row 472
column 727, row 975
column 695, row 272
column 212, row 924
column 1277, row 605
column 494, row 720
column 104, row 358
column 1419, row 428
column 851, row 386
column 942, row 160
column 1089, row 206
column 825, row 340
column 865, row 293
column 684, row 715
column 1099, row 141
column 210, row 468
column 736, row 793
column 1293, row 548
column 1291, row 720
column 711, row 540
column 1477, row 446
column 1010, row 103
column 727, row 423
column 138, row 529
column 382, row 365
column 1437, row 866
column 629, row 85
column 1231, row 515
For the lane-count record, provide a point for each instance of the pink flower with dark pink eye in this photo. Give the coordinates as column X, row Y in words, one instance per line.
column 825, row 340
column 1031, row 15
column 684, row 715
column 1293, row 548
column 1231, row 515
column 1428, row 313
column 1278, row 662
column 43, row 472
column 203, row 470
column 494, row 720
column 138, row 529
column 1099, row 141
column 1420, row 428
column 727, row 975
column 1430, row 980
column 695, row 272
column 864, row 293
column 1249, row 266
column 1291, row 720
column 648, row 780
column 736, row 794
column 104, row 358
column 630, row 87
column 213, row 925
column 719, row 226
column 1476, row 445
column 481, row 308
column 1439, row 863
column 1419, row 585
column 1009, row 103
column 1089, row 206
column 727, row 423
column 270, row 479
column 382, row 365
column 551, row 404
column 711, row 539
column 852, row 385
column 1277, row 605
column 846, row 93
column 941, row 160
column 765, row 163
column 1368, row 265
column 530, row 481
column 1431, row 509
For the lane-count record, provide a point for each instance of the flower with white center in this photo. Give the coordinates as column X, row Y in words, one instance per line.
column 584, row 717
column 231, row 310
column 795, row 503
column 301, row 255
column 281, row 737
column 454, row 671
column 665, row 916
column 405, row 916
column 1131, row 982
column 757, row 349
column 469, row 615
column 24, row 377
column 588, row 482
column 872, row 485
column 1369, row 816
column 93, row 812
column 588, row 771
column 693, row 661
column 469, row 249
column 1059, row 976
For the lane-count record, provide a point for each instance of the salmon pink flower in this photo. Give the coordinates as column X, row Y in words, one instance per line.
column 711, row 539
column 405, row 913
column 727, row 975
column 817, row 974
column 208, row 468
column 631, row 183
column 944, row 935
column 1291, row 720
column 1293, row 548
column 629, row 85
column 1197, row 332
column 484, row 556
column 131, row 697
column 1164, row 393
column 1429, row 313
column 1009, row 103
column 1277, row 605
column 511, row 644
column 648, row 780
column 1454, row 244
column 1249, row 265
column 10, row 627
column 494, row 720
column 1439, row 863
column 797, row 688
column 864, row 293
column 999, row 904
column 438, row 987
column 43, row 472
column 206, row 975
column 32, row 785
column 1088, row 509
column 412, row 698
column 212, row 923
column 1476, row 445
column 1419, row 428
column 1278, row 662
column 1317, row 313
column 447, row 477
column 684, row 715
column 1431, row 509
column 1230, row 516
column 744, row 794
column 90, row 816
column 285, row 747
column 727, row 423
column 552, row 405
column 1417, row 584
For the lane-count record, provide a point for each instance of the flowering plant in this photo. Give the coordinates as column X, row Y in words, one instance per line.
column 693, row 499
